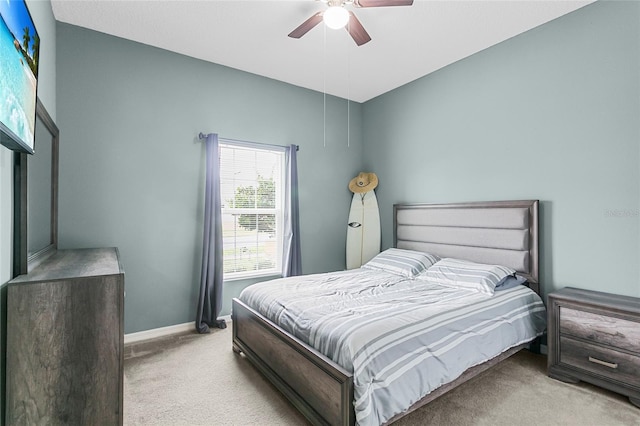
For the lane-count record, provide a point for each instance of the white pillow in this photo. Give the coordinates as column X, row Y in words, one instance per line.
column 464, row 274
column 409, row 263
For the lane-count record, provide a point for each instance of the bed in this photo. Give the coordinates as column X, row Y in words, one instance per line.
column 321, row 383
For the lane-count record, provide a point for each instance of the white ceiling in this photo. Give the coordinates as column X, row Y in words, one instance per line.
column 407, row 42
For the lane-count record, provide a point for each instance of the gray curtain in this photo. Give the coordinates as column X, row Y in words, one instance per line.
column 292, row 260
column 210, row 300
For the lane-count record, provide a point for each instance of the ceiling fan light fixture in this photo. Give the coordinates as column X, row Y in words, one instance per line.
column 336, row 17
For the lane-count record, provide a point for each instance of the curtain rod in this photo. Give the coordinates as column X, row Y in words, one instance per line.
column 203, row 136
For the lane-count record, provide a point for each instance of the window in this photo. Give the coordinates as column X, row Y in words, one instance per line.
column 252, row 190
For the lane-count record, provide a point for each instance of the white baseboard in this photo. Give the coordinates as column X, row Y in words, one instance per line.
column 163, row 331
column 158, row 332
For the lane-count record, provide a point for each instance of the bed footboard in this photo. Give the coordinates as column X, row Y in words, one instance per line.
column 319, row 388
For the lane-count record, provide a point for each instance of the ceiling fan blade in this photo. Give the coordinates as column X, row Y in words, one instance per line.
column 357, row 31
column 306, row 26
column 382, row 3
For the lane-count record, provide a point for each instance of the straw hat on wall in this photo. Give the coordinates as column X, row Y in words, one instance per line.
column 364, row 182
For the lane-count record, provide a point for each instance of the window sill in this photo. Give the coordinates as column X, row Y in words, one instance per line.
column 270, row 274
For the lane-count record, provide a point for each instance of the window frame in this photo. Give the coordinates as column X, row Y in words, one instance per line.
column 279, row 210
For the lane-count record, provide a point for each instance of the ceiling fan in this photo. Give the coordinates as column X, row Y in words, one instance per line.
column 336, row 16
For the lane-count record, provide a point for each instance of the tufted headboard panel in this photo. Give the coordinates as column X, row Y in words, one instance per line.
column 496, row 232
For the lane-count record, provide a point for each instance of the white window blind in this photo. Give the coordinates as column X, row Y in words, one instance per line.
column 251, row 184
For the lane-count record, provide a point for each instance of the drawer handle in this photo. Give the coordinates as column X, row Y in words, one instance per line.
column 605, row 363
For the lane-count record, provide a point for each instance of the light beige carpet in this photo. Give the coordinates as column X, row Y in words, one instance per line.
column 193, row 379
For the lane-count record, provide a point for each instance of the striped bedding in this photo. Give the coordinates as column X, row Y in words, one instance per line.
column 402, row 338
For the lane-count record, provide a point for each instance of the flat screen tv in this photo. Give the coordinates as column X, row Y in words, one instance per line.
column 19, row 51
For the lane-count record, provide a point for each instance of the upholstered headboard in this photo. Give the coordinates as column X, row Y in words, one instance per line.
column 497, row 232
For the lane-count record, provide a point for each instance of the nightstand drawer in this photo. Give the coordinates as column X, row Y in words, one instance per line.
column 602, row 329
column 615, row 365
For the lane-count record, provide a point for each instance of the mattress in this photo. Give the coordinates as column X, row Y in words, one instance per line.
column 401, row 338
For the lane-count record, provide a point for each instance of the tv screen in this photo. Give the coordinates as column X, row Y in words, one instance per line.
column 19, row 49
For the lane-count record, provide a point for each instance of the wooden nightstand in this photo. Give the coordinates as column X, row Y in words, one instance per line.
column 595, row 337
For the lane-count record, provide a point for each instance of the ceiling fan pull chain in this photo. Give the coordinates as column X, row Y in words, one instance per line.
column 324, row 90
column 348, row 100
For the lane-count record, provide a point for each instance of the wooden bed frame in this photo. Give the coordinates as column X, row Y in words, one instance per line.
column 321, row 389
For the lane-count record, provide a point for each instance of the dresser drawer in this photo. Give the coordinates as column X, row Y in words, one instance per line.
column 603, row 329
column 619, row 366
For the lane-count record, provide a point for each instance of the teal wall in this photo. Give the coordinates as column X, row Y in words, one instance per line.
column 553, row 114
column 46, row 25
column 132, row 167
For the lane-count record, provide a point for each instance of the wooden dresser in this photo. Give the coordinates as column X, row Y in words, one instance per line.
column 595, row 337
column 65, row 340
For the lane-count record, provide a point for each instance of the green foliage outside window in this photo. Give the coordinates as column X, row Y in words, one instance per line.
column 262, row 197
